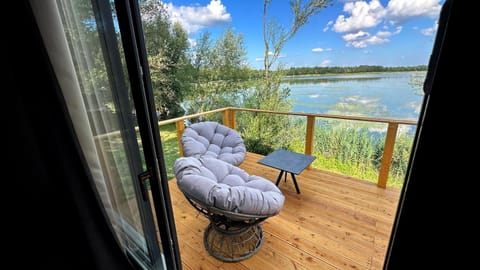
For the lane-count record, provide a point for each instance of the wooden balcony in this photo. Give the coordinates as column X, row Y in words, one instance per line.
column 337, row 222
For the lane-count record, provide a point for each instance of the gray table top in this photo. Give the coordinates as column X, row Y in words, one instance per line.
column 287, row 161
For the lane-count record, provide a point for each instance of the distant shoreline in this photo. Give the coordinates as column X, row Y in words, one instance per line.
column 349, row 73
column 316, row 71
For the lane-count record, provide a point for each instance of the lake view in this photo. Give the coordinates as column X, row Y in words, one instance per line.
column 385, row 95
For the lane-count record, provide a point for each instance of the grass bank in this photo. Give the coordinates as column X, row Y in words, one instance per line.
column 168, row 135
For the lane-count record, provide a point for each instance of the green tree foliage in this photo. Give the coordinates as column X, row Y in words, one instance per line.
column 266, row 132
column 220, row 72
column 167, row 46
column 294, row 71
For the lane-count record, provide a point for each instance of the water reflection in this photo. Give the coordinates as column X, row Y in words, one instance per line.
column 386, row 95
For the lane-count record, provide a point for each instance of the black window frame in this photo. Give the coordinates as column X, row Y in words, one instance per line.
column 129, row 19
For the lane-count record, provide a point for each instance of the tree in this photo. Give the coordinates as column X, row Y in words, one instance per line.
column 269, row 132
column 221, row 73
column 167, row 46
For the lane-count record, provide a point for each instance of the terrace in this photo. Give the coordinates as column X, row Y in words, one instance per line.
column 337, row 222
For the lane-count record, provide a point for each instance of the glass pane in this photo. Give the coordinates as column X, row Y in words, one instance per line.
column 111, row 117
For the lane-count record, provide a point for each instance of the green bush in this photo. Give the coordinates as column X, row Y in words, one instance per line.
column 256, row 146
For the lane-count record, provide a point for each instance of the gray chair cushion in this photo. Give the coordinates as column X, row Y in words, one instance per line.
column 211, row 139
column 215, row 183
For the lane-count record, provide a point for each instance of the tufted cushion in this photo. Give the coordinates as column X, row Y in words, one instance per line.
column 224, row 186
column 211, row 139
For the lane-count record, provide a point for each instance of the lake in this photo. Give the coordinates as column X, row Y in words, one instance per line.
column 387, row 95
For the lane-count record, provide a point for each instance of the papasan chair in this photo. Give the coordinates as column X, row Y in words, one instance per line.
column 234, row 202
column 211, row 139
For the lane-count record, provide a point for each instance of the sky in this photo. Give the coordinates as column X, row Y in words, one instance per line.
column 347, row 33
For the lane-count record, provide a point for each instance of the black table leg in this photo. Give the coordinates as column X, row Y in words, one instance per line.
column 295, row 182
column 280, row 177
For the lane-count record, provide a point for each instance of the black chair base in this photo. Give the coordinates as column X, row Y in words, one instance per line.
column 230, row 236
column 230, row 244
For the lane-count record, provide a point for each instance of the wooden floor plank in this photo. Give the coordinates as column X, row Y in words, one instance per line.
column 337, row 222
column 316, row 241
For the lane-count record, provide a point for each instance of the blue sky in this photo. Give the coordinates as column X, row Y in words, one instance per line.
column 348, row 33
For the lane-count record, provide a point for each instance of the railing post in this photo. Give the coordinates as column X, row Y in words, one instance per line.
column 226, row 117
column 309, row 136
column 387, row 154
column 180, row 126
column 229, row 118
column 233, row 119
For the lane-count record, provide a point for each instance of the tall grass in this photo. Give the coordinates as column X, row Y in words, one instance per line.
column 357, row 151
column 353, row 149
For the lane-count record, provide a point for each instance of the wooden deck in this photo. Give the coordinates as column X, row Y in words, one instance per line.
column 337, row 222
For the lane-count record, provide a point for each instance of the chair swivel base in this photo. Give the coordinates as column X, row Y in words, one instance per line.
column 232, row 244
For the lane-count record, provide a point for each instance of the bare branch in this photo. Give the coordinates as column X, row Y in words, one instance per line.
column 275, row 36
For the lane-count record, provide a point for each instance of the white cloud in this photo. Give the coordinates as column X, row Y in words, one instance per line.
column 195, row 18
column 362, row 39
column 398, row 30
column 258, row 59
column 362, row 15
column 365, row 42
column 430, row 31
column 373, row 40
column 400, row 11
column 325, row 63
column 321, row 49
column 327, row 27
column 355, row 36
column 386, row 34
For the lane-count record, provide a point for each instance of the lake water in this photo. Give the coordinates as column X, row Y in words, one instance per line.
column 387, row 95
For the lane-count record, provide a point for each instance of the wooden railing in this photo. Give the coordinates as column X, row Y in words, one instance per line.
column 229, row 119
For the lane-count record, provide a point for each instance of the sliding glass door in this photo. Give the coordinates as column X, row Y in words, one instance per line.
column 95, row 54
